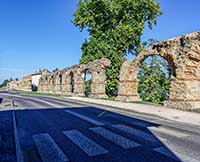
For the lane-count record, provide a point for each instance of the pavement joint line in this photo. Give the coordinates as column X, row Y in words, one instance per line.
column 17, row 142
column 90, row 120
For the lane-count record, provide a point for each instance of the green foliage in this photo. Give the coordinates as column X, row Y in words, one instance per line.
column 55, row 70
column 5, row 82
column 88, row 87
column 115, row 28
column 154, row 80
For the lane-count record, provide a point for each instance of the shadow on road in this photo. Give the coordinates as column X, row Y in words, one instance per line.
column 85, row 134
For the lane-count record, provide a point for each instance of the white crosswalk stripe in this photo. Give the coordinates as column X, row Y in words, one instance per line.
column 175, row 155
column 115, row 138
column 136, row 132
column 48, row 149
column 90, row 120
column 84, row 143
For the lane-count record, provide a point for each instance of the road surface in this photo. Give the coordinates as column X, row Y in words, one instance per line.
column 46, row 129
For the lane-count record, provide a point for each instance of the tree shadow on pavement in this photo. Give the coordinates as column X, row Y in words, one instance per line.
column 125, row 139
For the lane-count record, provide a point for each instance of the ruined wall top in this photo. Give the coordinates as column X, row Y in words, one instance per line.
column 172, row 48
column 96, row 65
column 183, row 52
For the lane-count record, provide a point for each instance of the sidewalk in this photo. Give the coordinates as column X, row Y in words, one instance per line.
column 167, row 113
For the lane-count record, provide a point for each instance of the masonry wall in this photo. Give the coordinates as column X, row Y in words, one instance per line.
column 183, row 54
column 70, row 82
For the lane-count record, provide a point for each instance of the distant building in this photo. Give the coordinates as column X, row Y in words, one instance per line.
column 35, row 78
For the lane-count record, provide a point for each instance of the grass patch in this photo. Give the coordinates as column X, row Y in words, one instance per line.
column 148, row 103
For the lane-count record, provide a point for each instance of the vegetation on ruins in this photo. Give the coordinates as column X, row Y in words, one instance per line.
column 154, row 77
column 115, row 28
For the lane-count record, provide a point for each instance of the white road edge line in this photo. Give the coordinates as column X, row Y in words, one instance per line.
column 17, row 142
column 90, row 120
column 36, row 99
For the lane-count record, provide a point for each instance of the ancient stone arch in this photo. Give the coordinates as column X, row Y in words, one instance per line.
column 66, row 82
column 97, row 69
column 43, row 86
column 58, row 79
column 183, row 55
column 51, row 82
column 24, row 84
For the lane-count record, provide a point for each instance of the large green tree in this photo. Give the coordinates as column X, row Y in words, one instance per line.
column 115, row 28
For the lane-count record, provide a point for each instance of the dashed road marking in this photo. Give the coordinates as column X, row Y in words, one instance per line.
column 136, row 132
column 90, row 120
column 84, row 143
column 115, row 138
column 48, row 149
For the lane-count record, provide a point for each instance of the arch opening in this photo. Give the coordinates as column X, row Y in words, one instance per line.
column 154, row 75
column 52, row 80
column 60, row 79
column 87, row 77
column 72, row 81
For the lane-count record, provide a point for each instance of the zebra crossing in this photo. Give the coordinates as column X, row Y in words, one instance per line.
column 50, row 151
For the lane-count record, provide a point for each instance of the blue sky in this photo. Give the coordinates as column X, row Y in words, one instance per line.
column 39, row 34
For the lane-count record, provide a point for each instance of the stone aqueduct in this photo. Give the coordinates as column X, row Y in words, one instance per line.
column 182, row 54
column 60, row 82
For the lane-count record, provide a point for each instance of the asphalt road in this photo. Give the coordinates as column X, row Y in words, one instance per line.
column 45, row 129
